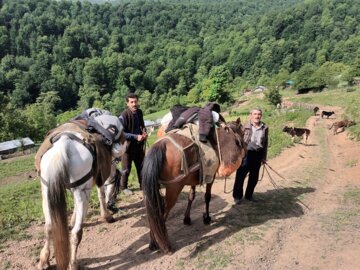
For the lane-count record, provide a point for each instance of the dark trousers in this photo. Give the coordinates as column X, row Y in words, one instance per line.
column 251, row 164
column 134, row 153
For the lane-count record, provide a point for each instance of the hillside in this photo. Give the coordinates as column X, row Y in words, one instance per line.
column 309, row 220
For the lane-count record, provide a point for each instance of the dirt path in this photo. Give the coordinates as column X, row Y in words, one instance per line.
column 310, row 221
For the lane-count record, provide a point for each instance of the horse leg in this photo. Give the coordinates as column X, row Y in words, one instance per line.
column 73, row 216
column 206, row 215
column 45, row 251
column 81, row 200
column 105, row 214
column 187, row 219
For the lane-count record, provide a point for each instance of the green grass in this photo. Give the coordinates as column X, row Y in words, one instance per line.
column 11, row 167
column 156, row 115
column 20, row 205
column 346, row 217
column 351, row 163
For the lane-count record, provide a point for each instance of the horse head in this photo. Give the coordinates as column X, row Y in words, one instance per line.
column 231, row 147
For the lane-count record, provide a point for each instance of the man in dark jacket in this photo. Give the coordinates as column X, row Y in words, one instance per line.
column 256, row 137
column 134, row 129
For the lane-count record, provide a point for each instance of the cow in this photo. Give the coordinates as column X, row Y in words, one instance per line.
column 299, row 132
column 341, row 124
column 316, row 109
column 327, row 114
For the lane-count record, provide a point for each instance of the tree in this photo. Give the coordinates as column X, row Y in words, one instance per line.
column 273, row 96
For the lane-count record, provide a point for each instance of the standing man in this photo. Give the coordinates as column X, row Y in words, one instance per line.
column 256, row 137
column 134, row 129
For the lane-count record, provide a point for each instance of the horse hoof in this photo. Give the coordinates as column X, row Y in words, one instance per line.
column 187, row 221
column 73, row 266
column 206, row 219
column 153, row 246
column 169, row 251
column 109, row 219
column 43, row 266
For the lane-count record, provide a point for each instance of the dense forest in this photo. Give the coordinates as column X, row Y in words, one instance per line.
column 59, row 57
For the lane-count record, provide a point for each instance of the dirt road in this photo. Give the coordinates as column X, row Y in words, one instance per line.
column 309, row 221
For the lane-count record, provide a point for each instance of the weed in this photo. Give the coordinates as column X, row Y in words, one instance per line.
column 5, row 264
column 351, row 163
column 102, row 229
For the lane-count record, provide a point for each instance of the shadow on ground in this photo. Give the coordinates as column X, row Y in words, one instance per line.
column 281, row 203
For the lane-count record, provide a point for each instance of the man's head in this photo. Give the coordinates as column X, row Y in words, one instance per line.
column 132, row 102
column 255, row 115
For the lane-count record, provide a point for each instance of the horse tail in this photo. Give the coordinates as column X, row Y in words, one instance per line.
column 154, row 201
column 57, row 203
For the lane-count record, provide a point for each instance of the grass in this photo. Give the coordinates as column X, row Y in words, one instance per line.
column 351, row 163
column 213, row 259
column 346, row 217
column 10, row 167
column 156, row 115
column 20, row 205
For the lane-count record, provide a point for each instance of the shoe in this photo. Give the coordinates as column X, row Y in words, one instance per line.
column 251, row 199
column 113, row 208
column 237, row 201
column 127, row 192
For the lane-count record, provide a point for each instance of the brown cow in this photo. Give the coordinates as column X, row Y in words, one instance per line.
column 299, row 132
column 341, row 124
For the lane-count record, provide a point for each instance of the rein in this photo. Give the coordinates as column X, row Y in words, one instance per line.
column 276, row 186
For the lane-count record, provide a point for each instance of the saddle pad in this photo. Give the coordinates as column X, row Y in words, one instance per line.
column 209, row 160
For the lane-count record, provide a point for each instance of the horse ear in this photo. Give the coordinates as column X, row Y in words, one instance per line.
column 238, row 121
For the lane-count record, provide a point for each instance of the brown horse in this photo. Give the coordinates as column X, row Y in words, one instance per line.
column 163, row 165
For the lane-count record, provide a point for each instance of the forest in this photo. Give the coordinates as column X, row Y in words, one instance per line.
column 60, row 57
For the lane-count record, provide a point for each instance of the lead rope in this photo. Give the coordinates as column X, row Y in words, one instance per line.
column 278, row 187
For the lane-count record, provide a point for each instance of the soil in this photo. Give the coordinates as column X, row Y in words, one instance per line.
column 308, row 220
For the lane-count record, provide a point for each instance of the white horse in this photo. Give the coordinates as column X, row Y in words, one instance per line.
column 71, row 163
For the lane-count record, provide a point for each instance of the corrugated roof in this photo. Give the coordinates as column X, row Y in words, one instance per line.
column 15, row 144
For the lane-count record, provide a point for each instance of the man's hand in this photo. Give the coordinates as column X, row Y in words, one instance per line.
column 142, row 137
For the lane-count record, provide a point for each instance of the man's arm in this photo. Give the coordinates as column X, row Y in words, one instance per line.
column 130, row 136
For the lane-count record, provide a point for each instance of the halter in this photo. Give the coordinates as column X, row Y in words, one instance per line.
column 85, row 178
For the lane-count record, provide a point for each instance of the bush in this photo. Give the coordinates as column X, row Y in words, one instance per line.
column 273, row 96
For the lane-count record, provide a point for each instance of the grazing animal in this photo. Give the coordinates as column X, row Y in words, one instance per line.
column 327, row 114
column 341, row 124
column 164, row 164
column 72, row 158
column 316, row 109
column 299, row 132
